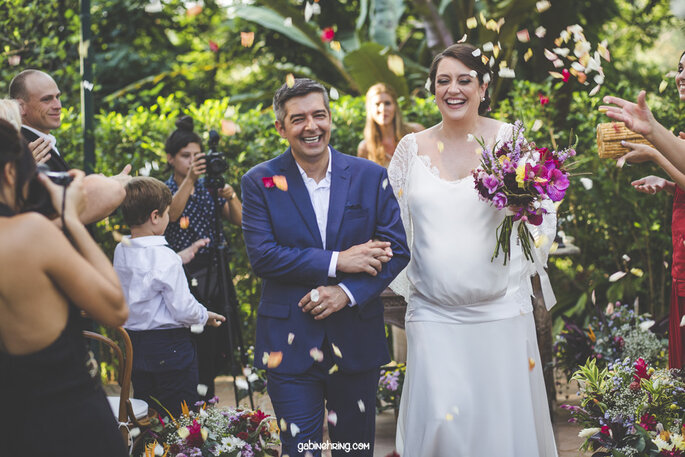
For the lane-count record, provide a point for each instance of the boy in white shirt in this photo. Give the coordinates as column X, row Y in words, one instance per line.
column 161, row 306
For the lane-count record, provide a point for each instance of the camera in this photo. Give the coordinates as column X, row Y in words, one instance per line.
column 38, row 199
column 216, row 163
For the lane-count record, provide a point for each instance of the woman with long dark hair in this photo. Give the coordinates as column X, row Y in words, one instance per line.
column 52, row 400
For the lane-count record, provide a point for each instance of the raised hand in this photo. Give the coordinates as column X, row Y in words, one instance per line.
column 75, row 196
column 188, row 253
column 365, row 258
column 124, row 176
column 40, row 150
column 636, row 116
column 197, row 167
column 330, row 300
column 651, row 184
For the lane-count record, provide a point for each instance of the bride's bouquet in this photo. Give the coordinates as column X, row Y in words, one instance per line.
column 517, row 176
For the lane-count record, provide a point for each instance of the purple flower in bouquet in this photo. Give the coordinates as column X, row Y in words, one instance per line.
column 558, row 183
column 491, row 183
column 499, row 200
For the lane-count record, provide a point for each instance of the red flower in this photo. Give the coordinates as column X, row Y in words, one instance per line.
column 606, row 430
column 213, row 46
column 327, row 35
column 195, row 437
column 641, row 370
column 258, row 416
column 648, row 422
column 544, row 99
column 565, row 74
column 243, row 436
column 268, row 182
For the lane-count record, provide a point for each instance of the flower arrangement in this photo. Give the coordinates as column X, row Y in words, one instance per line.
column 518, row 176
column 630, row 409
column 616, row 333
column 208, row 431
column 390, row 386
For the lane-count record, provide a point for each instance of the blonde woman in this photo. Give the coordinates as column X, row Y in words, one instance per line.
column 384, row 125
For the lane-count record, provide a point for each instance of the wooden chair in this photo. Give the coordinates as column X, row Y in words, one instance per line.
column 130, row 412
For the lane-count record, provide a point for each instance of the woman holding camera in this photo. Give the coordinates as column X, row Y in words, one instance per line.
column 192, row 219
column 52, row 400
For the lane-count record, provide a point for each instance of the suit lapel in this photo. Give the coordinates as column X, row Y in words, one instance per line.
column 340, row 184
column 298, row 193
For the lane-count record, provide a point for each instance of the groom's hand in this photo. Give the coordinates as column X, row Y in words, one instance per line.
column 365, row 258
column 331, row 299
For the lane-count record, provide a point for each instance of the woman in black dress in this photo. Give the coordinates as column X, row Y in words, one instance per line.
column 51, row 403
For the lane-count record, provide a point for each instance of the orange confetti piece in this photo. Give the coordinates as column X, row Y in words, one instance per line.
column 184, row 222
column 194, row 10
column 531, row 364
column 228, row 128
column 582, row 77
column 290, row 80
column 281, row 183
column 558, row 42
column 275, row 359
column 246, row 39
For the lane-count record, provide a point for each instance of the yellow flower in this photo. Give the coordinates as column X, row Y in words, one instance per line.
column 591, row 334
column 520, row 174
column 183, row 432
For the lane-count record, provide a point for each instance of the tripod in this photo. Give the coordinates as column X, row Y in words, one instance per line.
column 218, row 258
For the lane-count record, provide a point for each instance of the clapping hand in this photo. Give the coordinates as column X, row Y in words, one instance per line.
column 188, row 253
column 330, row 300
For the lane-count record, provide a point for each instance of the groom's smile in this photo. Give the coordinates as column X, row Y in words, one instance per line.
column 307, row 126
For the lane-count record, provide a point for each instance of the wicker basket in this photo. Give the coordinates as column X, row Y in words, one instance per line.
column 609, row 137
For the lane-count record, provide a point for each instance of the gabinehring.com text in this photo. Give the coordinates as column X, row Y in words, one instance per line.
column 332, row 446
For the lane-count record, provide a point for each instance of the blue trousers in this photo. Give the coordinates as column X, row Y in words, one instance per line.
column 301, row 399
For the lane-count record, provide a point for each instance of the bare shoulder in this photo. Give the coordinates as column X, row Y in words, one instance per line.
column 415, row 127
column 426, row 137
column 30, row 232
column 362, row 151
column 492, row 126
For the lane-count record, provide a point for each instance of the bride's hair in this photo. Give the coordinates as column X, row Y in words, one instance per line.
column 463, row 52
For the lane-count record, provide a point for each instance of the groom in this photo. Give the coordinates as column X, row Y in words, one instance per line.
column 326, row 246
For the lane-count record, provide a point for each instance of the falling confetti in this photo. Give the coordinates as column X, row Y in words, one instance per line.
column 637, row 272
column 616, row 276
column 682, row 322
column 542, row 6
column 332, row 418
column 463, row 39
column 291, row 337
column 246, row 39
column 471, row 23
column 488, row 47
column 384, row 184
column 265, row 358
column 242, row 384
column 294, row 430
column 334, row 93
column 528, row 55
column 184, row 222
column 486, row 77
column 316, row 354
column 336, row 351
column 135, row 431
column 449, row 417
column 333, row 369
column 663, row 86
column 441, row 146
column 625, row 257
column 197, row 328
column 159, row 450
column 290, row 80
column 275, row 359
column 587, row 183
column 14, row 60
column 507, row 73
column 523, row 36
column 531, row 363
column 396, row 64
column 314, row 295
column 540, row 32
column 536, row 125
column 470, row 138
column 473, row 73
column 201, row 390
column 228, row 128
column 284, row 425
column 194, row 10
column 336, row 46
column 362, row 408
column 327, row 34
column 288, row 22
column 595, row 90
column 476, row 52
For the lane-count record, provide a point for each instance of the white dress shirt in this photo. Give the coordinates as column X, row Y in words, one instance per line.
column 155, row 285
column 320, row 195
column 51, row 138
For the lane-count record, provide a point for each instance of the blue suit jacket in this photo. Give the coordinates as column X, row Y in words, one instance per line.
column 285, row 249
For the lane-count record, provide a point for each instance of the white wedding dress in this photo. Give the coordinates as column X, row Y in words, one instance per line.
column 474, row 384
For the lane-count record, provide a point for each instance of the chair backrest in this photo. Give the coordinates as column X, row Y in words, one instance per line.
column 125, row 359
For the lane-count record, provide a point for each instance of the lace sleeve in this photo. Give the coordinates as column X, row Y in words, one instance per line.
column 397, row 174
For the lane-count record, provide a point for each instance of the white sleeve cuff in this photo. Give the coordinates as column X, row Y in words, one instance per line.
column 353, row 302
column 333, row 266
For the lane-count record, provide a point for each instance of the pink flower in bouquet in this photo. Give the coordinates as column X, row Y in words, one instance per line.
column 641, row 370
column 558, row 183
column 499, row 200
column 491, row 183
column 195, row 437
column 648, row 421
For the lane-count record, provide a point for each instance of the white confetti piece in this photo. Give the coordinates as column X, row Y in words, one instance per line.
column 646, row 325
column 593, row 297
column 201, row 390
column 682, row 322
column 159, row 450
column 193, row 282
column 663, row 86
column 463, row 39
column 506, row 73
column 626, row 257
column 543, row 5
column 332, row 417
column 336, row 351
column 540, row 32
column 135, row 431
column 242, row 384
column 471, row 23
column 288, row 22
column 362, row 408
column 587, row 183
column 563, row 52
column 385, row 183
column 595, row 90
column 252, row 377
column 487, row 47
column 294, row 430
column 265, row 358
column 476, row 53
column 486, row 77
column 197, row 328
column 470, row 138
column 473, row 73
column 536, row 125
column 291, row 337
column 334, row 93
column 316, row 354
column 284, row 425
column 599, row 79
column 314, row 295
column 616, row 276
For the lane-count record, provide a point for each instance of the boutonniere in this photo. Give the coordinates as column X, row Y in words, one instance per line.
column 277, row 181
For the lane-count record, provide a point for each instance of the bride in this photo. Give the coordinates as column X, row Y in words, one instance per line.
column 474, row 384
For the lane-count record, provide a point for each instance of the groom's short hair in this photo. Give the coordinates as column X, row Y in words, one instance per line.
column 300, row 88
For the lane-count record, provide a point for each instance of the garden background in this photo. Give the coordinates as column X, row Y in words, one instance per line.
column 221, row 61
